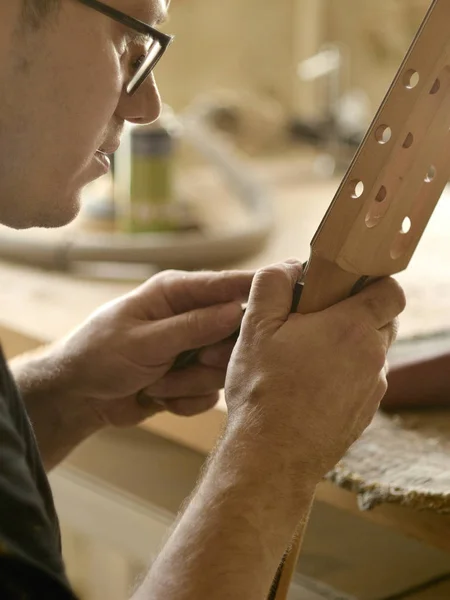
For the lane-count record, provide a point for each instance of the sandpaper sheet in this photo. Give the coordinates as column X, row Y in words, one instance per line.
column 402, row 459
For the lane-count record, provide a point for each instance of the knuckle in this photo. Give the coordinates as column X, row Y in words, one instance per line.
column 223, row 275
column 373, row 304
column 170, row 274
column 339, row 324
column 397, row 295
column 193, row 322
column 271, row 272
column 367, row 420
column 368, row 346
column 395, row 329
column 356, row 333
column 376, row 354
column 268, row 278
column 221, row 279
column 379, row 391
column 365, row 344
column 165, row 279
column 384, row 298
column 382, row 387
column 346, row 333
column 392, row 329
column 253, row 330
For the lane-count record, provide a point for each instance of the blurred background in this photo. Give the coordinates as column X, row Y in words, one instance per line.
column 265, row 105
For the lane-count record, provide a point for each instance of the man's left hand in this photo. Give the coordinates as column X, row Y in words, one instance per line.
column 119, row 362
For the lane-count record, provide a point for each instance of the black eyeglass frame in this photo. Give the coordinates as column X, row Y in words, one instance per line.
column 163, row 39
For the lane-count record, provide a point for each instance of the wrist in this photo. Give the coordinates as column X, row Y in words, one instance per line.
column 280, row 443
column 60, row 417
column 265, row 461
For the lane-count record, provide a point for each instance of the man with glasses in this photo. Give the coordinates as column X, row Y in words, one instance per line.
column 300, row 389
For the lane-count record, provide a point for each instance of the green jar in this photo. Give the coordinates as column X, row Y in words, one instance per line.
column 151, row 202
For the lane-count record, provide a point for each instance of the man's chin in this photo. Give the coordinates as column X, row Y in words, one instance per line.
column 42, row 221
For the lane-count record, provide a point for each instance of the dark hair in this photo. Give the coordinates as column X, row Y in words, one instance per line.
column 34, row 12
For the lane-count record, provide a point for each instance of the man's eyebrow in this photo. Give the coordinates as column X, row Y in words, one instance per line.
column 159, row 15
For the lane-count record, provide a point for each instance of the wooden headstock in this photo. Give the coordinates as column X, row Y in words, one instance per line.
column 390, row 190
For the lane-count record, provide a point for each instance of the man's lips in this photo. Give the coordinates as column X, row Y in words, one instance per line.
column 104, row 159
column 108, row 150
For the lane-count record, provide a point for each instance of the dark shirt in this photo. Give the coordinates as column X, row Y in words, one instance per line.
column 31, row 564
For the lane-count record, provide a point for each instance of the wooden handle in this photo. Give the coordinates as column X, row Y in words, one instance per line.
column 286, row 570
column 325, row 284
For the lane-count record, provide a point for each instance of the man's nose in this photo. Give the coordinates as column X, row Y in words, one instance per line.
column 144, row 106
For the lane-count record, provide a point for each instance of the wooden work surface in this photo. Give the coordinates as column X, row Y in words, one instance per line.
column 400, row 465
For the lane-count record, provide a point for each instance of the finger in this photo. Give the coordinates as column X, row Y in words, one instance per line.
column 194, row 329
column 218, row 355
column 188, row 407
column 272, row 291
column 185, row 291
column 194, row 381
column 376, row 305
column 148, row 406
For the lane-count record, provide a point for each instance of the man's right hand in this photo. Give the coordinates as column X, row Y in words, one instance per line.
column 307, row 386
column 300, row 389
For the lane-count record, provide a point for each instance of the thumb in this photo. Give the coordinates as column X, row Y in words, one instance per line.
column 194, row 329
column 272, row 290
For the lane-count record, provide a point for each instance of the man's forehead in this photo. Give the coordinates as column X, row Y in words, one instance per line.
column 149, row 11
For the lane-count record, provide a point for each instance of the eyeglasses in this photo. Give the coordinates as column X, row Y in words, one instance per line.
column 159, row 41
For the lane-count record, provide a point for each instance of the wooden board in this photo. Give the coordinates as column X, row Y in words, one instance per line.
column 427, row 526
column 433, row 592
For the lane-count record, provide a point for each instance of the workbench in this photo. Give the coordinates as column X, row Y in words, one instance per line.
column 38, row 307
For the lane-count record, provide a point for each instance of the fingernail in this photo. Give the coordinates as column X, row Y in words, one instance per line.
column 159, row 402
column 146, row 401
column 230, row 314
column 293, row 261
